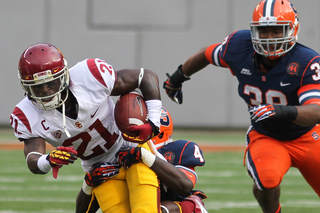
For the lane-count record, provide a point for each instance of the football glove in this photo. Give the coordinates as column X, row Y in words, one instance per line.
column 128, row 156
column 264, row 111
column 101, row 172
column 173, row 85
column 146, row 132
column 61, row 156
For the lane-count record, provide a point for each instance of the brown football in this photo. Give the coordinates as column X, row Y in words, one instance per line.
column 130, row 110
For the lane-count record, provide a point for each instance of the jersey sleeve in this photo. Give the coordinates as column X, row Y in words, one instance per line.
column 103, row 73
column 309, row 94
column 216, row 53
column 21, row 124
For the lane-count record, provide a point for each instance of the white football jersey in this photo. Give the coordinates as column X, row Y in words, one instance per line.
column 94, row 133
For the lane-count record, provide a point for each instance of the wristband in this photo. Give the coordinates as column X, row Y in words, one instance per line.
column 164, row 209
column 154, row 111
column 32, row 153
column 86, row 189
column 287, row 112
column 140, row 77
column 43, row 164
column 177, row 78
column 147, row 157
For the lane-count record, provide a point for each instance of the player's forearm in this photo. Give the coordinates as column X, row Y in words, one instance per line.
column 308, row 115
column 33, row 149
column 172, row 177
column 195, row 63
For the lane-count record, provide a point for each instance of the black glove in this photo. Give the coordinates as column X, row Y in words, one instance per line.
column 128, row 156
column 173, row 85
column 101, row 172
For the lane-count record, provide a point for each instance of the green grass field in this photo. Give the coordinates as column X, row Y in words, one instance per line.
column 223, row 179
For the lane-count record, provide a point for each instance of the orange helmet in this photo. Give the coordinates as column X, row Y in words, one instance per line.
column 275, row 13
column 166, row 128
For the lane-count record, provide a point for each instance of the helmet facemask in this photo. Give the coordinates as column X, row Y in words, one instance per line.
column 274, row 13
column 58, row 82
column 274, row 47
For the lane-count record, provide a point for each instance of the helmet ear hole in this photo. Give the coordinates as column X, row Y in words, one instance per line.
column 161, row 135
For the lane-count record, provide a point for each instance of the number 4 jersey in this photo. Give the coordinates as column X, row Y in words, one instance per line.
column 293, row 81
column 94, row 133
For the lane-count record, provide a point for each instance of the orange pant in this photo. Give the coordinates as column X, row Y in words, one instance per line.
column 268, row 159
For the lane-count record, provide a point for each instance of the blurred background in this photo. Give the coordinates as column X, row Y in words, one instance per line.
column 158, row 35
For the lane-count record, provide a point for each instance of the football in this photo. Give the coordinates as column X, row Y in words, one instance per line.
column 130, row 109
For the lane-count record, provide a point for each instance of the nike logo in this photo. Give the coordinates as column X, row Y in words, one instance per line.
column 283, row 84
column 140, row 105
column 94, row 113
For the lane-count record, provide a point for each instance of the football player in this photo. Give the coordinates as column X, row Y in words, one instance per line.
column 279, row 80
column 173, row 161
column 72, row 110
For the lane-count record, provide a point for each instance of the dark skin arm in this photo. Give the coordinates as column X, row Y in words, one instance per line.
column 83, row 201
column 128, row 81
column 195, row 63
column 172, row 177
column 34, row 145
column 308, row 115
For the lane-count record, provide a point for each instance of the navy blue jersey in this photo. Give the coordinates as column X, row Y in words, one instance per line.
column 185, row 155
column 285, row 84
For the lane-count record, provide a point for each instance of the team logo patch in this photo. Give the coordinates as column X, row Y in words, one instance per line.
column 169, row 156
column 57, row 134
column 293, row 69
column 78, row 124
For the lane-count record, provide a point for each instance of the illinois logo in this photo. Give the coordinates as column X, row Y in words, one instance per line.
column 293, row 69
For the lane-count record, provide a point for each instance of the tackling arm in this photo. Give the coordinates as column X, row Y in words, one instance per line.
column 172, row 177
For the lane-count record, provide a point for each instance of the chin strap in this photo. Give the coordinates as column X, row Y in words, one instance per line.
column 64, row 121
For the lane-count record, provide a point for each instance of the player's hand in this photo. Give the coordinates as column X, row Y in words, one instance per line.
column 62, row 156
column 146, row 132
column 261, row 112
column 174, row 93
column 128, row 156
column 173, row 85
column 264, row 111
column 101, row 172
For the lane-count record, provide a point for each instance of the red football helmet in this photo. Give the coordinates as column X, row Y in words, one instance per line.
column 44, row 75
column 275, row 13
column 166, row 128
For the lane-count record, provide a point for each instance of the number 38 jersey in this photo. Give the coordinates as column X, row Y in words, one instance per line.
column 94, row 133
column 293, row 81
